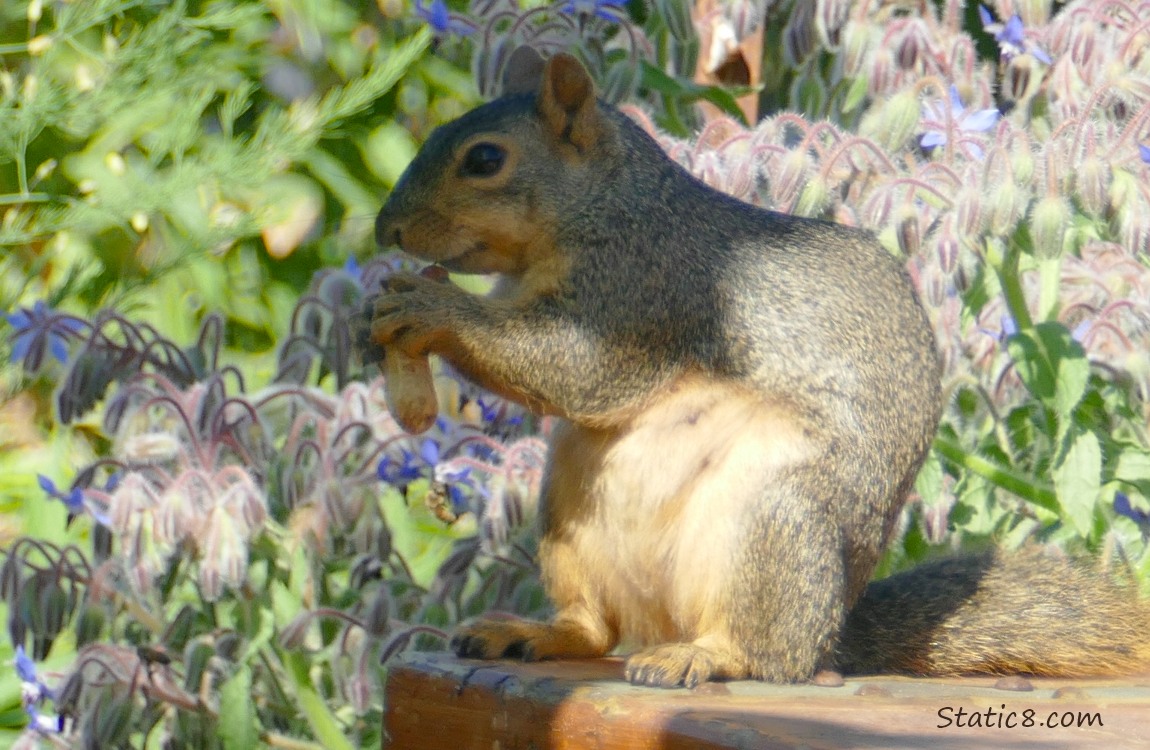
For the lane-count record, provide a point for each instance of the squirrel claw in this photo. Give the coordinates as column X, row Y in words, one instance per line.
column 671, row 665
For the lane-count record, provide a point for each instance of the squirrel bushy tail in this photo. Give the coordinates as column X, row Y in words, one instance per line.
column 1026, row 612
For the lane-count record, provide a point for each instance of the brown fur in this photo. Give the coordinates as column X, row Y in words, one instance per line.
column 746, row 400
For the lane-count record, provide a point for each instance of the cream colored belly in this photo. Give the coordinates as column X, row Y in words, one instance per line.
column 650, row 517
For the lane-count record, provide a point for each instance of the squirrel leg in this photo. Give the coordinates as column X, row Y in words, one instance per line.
column 777, row 615
column 574, row 633
column 789, row 603
column 687, row 664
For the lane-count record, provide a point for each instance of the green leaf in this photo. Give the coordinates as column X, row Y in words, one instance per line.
column 1078, row 480
column 1133, row 469
column 239, row 729
column 856, row 95
column 928, row 483
column 1052, row 365
column 312, row 704
column 678, row 88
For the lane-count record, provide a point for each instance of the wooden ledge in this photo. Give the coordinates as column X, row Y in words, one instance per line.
column 438, row 702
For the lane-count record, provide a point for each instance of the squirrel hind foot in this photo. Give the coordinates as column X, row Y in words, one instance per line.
column 689, row 665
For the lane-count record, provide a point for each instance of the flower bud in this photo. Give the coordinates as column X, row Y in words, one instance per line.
column 1048, row 220
column 1092, row 183
column 1033, row 12
column 799, row 38
column 677, row 15
column 1022, row 162
column 45, row 170
column 792, row 173
column 89, row 625
column 881, row 77
column 38, row 45
column 377, row 620
column 894, row 121
column 907, row 231
column 1123, row 187
column 969, row 215
column 856, row 38
column 830, row 16
column 621, row 81
column 115, row 163
column 1021, row 80
column 814, row 198
column 1004, row 209
column 947, row 247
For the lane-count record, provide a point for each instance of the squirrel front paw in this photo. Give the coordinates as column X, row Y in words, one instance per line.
column 497, row 636
column 413, row 314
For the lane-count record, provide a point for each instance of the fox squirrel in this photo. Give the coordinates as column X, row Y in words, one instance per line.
column 745, row 400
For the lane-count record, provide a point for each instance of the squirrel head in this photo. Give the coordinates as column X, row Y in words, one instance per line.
column 488, row 191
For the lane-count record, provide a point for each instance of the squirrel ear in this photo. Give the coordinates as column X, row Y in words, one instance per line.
column 523, row 72
column 567, row 101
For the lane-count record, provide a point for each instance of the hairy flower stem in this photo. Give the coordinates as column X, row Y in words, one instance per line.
column 1008, row 480
column 1006, row 267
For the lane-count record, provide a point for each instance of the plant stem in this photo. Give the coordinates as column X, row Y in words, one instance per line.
column 1039, row 495
column 312, row 704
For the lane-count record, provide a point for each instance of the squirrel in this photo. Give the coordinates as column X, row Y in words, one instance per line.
column 744, row 399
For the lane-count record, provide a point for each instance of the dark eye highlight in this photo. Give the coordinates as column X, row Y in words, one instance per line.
column 483, row 160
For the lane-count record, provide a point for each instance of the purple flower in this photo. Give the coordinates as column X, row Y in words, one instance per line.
column 73, row 501
column 940, row 114
column 609, row 10
column 39, row 330
column 1011, row 36
column 399, row 474
column 1144, row 153
column 429, row 451
column 441, row 20
column 1123, row 507
column 33, row 692
column 25, row 667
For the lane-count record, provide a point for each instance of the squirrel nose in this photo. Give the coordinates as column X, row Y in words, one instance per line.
column 386, row 231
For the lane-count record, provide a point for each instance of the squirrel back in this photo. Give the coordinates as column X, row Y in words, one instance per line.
column 746, row 397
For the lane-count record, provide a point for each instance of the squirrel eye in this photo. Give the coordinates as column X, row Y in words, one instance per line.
column 483, row 160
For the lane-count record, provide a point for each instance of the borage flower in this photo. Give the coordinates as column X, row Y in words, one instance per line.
column 39, row 330
column 614, row 11
column 33, row 692
column 943, row 117
column 74, row 499
column 442, row 21
column 1123, row 507
column 1011, row 36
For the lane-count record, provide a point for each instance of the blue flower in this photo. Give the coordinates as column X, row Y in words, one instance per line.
column 39, row 330
column 25, row 667
column 1011, row 36
column 33, row 692
column 441, row 20
column 429, row 451
column 73, row 501
column 614, row 11
column 972, row 122
column 1123, row 507
column 399, row 474
column 1144, row 153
